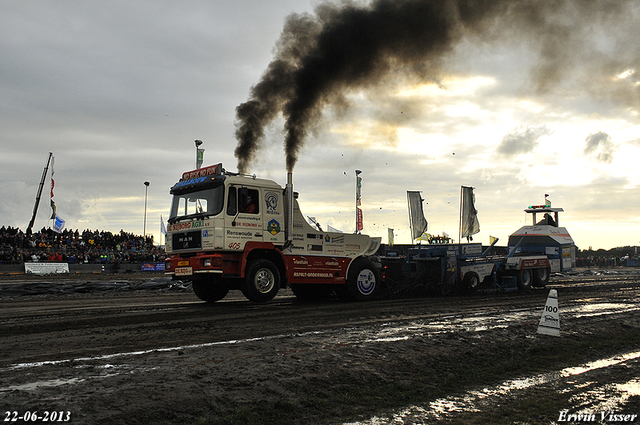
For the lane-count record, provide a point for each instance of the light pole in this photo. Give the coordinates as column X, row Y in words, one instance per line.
column 198, row 143
column 144, row 231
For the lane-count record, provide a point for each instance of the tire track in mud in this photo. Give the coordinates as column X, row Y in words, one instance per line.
column 89, row 324
column 281, row 349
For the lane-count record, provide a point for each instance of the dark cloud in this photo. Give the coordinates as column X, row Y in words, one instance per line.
column 599, row 144
column 350, row 46
column 345, row 47
column 522, row 140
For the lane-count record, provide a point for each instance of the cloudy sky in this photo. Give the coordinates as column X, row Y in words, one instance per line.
column 519, row 104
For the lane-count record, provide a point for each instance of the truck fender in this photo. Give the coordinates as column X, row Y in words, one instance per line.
column 250, row 250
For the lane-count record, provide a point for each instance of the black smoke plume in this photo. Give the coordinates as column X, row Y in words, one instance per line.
column 349, row 45
column 343, row 46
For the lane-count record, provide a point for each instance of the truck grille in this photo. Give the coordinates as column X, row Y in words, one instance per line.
column 186, row 240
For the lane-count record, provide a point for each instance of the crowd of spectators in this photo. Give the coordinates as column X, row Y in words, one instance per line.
column 600, row 261
column 75, row 247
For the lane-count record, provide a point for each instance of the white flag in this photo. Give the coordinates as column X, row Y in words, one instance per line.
column 469, row 224
column 416, row 214
column 163, row 227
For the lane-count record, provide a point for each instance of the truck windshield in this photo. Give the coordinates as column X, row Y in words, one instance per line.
column 202, row 203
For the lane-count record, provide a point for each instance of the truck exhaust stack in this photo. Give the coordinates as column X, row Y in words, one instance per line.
column 289, row 212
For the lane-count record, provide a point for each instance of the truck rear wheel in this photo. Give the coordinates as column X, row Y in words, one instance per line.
column 261, row 282
column 210, row 290
column 525, row 278
column 363, row 282
column 541, row 277
column 471, row 282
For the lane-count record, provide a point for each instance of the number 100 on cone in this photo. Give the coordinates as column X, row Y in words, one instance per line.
column 550, row 320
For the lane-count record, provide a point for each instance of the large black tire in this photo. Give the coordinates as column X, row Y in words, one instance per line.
column 541, row 277
column 363, row 282
column 210, row 290
column 525, row 279
column 261, row 282
column 471, row 282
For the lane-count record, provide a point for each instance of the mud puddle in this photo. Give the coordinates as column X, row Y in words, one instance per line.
column 589, row 396
column 485, row 321
column 105, row 366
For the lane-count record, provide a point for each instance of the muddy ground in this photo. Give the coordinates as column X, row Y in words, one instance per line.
column 140, row 350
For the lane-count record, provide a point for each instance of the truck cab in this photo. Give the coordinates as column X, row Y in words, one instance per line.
column 232, row 231
column 223, row 212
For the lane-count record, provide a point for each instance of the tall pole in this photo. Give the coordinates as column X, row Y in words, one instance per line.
column 35, row 207
column 358, row 202
column 198, row 143
column 144, row 231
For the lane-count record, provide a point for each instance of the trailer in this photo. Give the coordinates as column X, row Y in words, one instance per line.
column 461, row 268
column 534, row 252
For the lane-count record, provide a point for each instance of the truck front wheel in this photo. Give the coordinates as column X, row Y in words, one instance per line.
column 363, row 282
column 261, row 282
column 210, row 290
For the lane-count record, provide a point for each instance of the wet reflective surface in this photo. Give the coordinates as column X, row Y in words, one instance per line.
column 590, row 395
column 587, row 395
column 77, row 352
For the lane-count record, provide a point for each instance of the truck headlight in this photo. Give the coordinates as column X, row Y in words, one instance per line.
column 214, row 261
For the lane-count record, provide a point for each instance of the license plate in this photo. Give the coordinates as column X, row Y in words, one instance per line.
column 183, row 263
column 183, row 271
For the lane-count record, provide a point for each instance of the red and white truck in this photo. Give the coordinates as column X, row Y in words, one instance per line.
column 233, row 231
